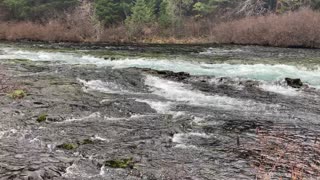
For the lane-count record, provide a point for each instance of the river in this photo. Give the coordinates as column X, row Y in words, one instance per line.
column 171, row 112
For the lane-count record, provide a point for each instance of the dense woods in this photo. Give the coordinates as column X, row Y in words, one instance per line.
column 140, row 20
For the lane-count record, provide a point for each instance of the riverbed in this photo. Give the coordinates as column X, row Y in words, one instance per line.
column 165, row 112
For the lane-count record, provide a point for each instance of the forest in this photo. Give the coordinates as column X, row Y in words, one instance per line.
column 158, row 21
column 159, row 89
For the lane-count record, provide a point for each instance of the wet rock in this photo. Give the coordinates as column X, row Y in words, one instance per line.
column 295, row 83
column 249, row 83
column 179, row 76
column 241, row 126
column 96, row 127
column 110, row 58
column 55, row 119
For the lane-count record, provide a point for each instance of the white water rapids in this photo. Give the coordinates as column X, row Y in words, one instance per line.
column 261, row 72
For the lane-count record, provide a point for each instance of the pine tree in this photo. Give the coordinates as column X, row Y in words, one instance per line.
column 107, row 11
column 141, row 13
column 165, row 18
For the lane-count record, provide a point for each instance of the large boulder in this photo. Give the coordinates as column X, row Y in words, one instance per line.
column 295, row 83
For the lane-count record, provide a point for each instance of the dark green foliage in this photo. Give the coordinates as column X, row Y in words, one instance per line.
column 112, row 11
column 120, row 163
column 141, row 13
column 35, row 9
column 165, row 18
column 138, row 13
column 315, row 4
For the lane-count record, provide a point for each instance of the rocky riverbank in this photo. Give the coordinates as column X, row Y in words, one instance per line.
column 93, row 122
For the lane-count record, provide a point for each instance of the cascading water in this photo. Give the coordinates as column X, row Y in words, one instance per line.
column 260, row 72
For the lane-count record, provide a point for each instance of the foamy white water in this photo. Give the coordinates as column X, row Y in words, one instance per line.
column 182, row 93
column 91, row 116
column 106, row 87
column 159, row 106
column 178, row 93
column 181, row 139
column 265, row 72
column 284, row 90
column 219, row 51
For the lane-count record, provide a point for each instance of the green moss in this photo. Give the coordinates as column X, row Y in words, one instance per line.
column 67, row 146
column 42, row 118
column 87, row 141
column 17, row 94
column 120, row 163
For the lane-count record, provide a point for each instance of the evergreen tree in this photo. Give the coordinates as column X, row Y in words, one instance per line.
column 165, row 18
column 36, row 9
column 107, row 11
column 141, row 13
column 112, row 11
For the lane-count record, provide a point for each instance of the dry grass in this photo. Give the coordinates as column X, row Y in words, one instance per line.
column 300, row 28
column 281, row 153
column 7, row 84
column 114, row 34
column 80, row 27
column 52, row 31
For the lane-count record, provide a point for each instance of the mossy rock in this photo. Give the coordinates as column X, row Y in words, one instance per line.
column 120, row 163
column 67, row 146
column 42, row 118
column 87, row 141
column 18, row 94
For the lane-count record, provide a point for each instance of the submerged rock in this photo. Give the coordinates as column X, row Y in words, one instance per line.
column 295, row 83
column 179, row 76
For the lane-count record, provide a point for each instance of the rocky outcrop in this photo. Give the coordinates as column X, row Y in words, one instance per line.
column 295, row 83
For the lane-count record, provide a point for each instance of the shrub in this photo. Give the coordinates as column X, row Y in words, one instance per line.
column 293, row 29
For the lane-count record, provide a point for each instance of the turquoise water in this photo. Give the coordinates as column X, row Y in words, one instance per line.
column 263, row 72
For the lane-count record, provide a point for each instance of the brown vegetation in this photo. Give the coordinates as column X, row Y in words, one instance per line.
column 281, row 153
column 52, row 31
column 6, row 83
column 300, row 28
column 77, row 30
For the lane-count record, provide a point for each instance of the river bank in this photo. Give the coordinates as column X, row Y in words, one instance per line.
column 299, row 29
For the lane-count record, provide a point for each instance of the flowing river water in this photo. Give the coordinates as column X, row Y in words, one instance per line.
column 174, row 112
